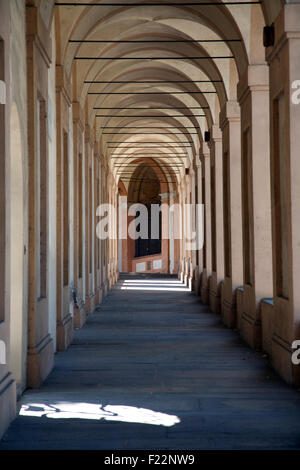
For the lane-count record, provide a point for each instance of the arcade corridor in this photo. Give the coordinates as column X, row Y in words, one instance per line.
column 153, row 369
column 150, row 224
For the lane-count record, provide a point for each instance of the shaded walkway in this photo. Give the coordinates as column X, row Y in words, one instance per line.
column 154, row 369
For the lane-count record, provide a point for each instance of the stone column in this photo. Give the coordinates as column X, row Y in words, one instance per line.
column 105, row 174
column 233, row 253
column 199, row 229
column 193, row 227
column 111, row 228
column 115, row 202
column 165, row 232
column 8, row 396
column 123, row 233
column 176, row 233
column 217, row 222
column 93, row 228
column 284, row 62
column 89, row 292
column 96, row 244
column 63, row 210
column 100, row 279
column 187, row 228
column 182, row 199
column 171, row 232
column 40, row 343
column 103, row 242
column 78, row 129
column 206, row 200
column 120, row 234
column 253, row 94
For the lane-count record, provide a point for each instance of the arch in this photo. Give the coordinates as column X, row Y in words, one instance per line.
column 16, row 229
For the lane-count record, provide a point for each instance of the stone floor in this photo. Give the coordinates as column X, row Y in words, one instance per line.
column 154, row 369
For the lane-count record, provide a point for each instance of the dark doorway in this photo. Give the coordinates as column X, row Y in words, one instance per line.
column 149, row 246
column 145, row 189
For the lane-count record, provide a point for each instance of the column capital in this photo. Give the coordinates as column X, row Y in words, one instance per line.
column 63, row 84
column 173, row 193
column 205, row 151
column 164, row 196
column 255, row 78
column 78, row 115
column 230, row 112
column 286, row 27
column 89, row 138
column 216, row 134
column 197, row 159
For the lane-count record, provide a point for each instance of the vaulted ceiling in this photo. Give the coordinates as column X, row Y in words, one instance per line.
column 153, row 78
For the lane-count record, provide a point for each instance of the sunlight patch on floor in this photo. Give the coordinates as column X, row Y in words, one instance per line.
column 128, row 414
column 152, row 281
column 153, row 285
column 168, row 289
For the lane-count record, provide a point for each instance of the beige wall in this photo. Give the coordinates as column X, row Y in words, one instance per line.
column 13, row 330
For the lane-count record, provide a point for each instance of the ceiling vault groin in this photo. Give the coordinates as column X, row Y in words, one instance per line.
column 161, row 71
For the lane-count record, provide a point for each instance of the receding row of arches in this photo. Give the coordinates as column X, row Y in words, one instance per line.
column 169, row 104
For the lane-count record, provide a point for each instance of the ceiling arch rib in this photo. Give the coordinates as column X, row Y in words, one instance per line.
column 193, row 70
column 196, row 103
column 154, row 108
column 151, row 124
column 124, row 173
column 163, row 171
column 179, row 61
column 112, row 21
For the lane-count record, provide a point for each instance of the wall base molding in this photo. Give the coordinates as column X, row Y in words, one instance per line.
column 282, row 360
column 251, row 330
column 79, row 316
column 8, row 400
column 64, row 332
column 40, row 362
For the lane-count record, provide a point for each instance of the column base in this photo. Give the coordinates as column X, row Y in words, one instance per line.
column 239, row 307
column 204, row 288
column 90, row 303
column 40, row 362
column 104, row 289
column 79, row 316
column 229, row 314
column 196, row 281
column 267, row 321
column 181, row 272
column 64, row 332
column 251, row 331
column 282, row 360
column 229, row 304
column 250, row 323
column 214, row 294
column 99, row 295
column 8, row 402
column 221, row 298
